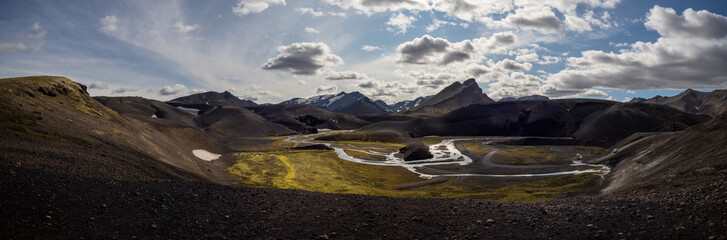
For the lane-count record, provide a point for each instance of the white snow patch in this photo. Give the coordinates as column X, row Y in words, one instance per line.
column 154, row 116
column 205, row 155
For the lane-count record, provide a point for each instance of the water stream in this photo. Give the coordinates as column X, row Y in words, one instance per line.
column 445, row 153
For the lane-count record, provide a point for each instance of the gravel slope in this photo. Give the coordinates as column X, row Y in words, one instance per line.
column 44, row 205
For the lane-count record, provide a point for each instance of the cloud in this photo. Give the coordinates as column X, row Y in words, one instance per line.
column 172, row 90
column 245, row 7
column 430, row 50
column 326, row 89
column 331, row 75
column 303, row 58
column 27, row 41
column 431, row 80
column 549, row 60
column 574, row 23
column 436, row 23
column 311, row 30
column 108, row 24
column 315, row 13
column 517, row 84
column 12, row 47
column 477, row 70
column 98, row 85
column 399, row 23
column 507, row 65
column 541, row 19
column 181, row 28
column 528, row 57
column 370, row 6
column 497, row 43
column 125, row 90
column 370, row 48
column 689, row 54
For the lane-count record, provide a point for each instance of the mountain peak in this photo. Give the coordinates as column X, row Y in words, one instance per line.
column 469, row 82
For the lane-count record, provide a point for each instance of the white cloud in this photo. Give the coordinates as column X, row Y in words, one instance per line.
column 689, row 54
column 549, row 60
column 245, row 7
column 311, row 30
column 332, row 75
column 370, row 48
column 399, row 23
column 507, row 65
column 575, row 23
column 316, row 13
column 181, row 28
column 326, row 89
column 108, row 24
column 303, row 58
column 98, row 85
column 436, row 23
column 528, row 57
column 27, row 41
column 439, row 51
column 172, row 90
column 431, row 80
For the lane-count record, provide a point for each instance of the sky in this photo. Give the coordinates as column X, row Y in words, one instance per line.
column 273, row 50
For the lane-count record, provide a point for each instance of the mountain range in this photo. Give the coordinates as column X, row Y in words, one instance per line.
column 692, row 101
column 69, row 159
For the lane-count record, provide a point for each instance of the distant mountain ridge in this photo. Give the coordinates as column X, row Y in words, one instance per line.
column 352, row 103
column 692, row 101
column 526, row 98
column 408, row 104
column 209, row 100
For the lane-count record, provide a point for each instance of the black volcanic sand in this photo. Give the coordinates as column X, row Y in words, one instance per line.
column 41, row 205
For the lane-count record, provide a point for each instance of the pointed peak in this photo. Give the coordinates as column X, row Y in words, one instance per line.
column 470, row 82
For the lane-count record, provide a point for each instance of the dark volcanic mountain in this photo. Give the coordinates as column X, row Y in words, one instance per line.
column 452, row 97
column 307, row 119
column 692, row 101
column 526, row 98
column 590, row 121
column 236, row 121
column 56, row 126
column 344, row 102
column 408, row 104
column 210, row 100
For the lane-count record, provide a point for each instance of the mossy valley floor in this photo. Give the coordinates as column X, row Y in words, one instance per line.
column 323, row 171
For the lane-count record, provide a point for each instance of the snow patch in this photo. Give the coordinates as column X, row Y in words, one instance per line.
column 205, row 155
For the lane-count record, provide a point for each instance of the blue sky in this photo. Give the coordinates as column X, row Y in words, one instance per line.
column 273, row 50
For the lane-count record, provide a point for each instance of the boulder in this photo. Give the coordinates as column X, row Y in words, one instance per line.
column 415, row 151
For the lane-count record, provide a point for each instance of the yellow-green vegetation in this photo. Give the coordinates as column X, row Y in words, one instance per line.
column 363, row 155
column 38, row 87
column 525, row 155
column 593, row 150
column 475, row 148
column 323, row 171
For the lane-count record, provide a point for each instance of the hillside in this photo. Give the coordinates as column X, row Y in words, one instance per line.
column 589, row 121
column 670, row 162
column 692, row 101
column 56, row 126
column 454, row 96
column 209, row 100
column 307, row 119
column 233, row 121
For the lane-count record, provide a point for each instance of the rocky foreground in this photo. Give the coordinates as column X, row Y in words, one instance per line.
column 41, row 205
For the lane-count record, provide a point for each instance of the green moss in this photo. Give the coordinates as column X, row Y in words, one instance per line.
column 475, row 148
column 525, row 155
column 591, row 150
column 323, row 171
